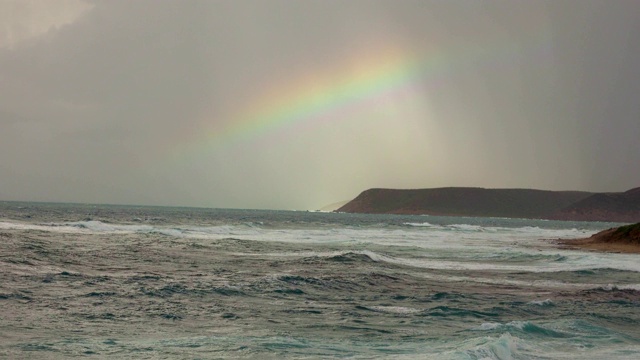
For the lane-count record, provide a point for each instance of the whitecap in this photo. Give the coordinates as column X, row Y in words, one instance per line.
column 487, row 326
column 503, row 348
column 546, row 302
column 423, row 224
column 467, row 227
column 395, row 309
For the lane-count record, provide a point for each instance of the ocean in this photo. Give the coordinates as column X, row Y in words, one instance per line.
column 131, row 282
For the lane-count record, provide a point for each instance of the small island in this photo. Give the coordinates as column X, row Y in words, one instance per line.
column 624, row 239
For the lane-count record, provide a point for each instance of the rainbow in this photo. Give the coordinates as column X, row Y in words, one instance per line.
column 366, row 80
column 357, row 84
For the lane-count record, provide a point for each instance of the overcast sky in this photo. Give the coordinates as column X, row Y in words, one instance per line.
column 185, row 102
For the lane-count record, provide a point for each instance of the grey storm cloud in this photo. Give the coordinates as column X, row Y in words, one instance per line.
column 99, row 99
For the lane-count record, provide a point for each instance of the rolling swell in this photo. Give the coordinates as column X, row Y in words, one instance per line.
column 525, row 329
column 246, row 284
column 350, row 257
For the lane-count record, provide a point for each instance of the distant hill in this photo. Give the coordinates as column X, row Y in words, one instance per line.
column 514, row 203
column 624, row 207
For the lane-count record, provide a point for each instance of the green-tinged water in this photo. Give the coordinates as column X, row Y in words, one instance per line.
column 150, row 282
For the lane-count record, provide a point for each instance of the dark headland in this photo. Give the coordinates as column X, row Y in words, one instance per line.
column 511, row 203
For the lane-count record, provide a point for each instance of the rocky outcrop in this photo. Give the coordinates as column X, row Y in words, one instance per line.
column 622, row 239
column 629, row 234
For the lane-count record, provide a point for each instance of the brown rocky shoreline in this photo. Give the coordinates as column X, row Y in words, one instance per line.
column 624, row 239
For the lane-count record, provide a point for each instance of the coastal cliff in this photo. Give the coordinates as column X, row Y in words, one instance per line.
column 514, row 203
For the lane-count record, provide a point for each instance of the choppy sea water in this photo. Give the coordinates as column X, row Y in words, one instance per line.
column 151, row 282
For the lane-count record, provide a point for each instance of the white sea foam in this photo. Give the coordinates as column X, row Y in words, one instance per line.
column 579, row 263
column 457, row 247
column 457, row 236
column 546, row 302
column 59, row 228
column 467, row 227
column 534, row 230
column 395, row 309
column 614, row 287
column 424, row 224
column 487, row 326
column 504, row 347
column 517, row 325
